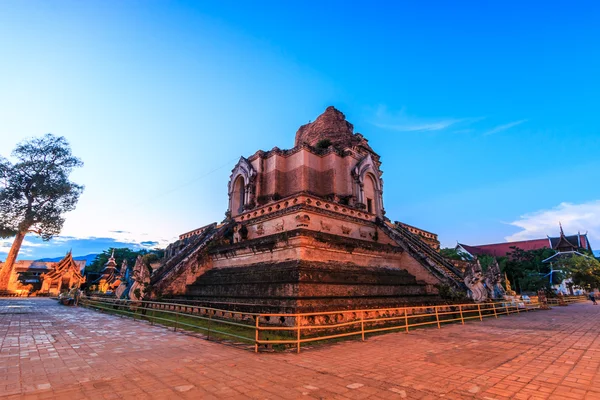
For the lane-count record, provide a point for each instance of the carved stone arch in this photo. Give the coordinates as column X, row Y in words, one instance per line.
column 368, row 185
column 241, row 187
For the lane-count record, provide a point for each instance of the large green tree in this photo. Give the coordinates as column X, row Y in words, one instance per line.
column 123, row 253
column 120, row 254
column 35, row 192
column 451, row 253
column 526, row 271
column 584, row 271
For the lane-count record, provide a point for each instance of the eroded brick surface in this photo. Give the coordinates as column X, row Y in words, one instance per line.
column 51, row 351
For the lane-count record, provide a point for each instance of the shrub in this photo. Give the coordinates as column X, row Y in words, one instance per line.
column 323, row 144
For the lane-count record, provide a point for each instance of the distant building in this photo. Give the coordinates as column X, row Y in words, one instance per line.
column 110, row 277
column 64, row 276
column 565, row 247
column 29, row 272
column 572, row 244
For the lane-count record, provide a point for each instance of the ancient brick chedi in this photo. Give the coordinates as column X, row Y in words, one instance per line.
column 306, row 230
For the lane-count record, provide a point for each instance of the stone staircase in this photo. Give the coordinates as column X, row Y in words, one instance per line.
column 428, row 257
column 174, row 266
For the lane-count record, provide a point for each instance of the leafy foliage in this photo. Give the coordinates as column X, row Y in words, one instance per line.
column 123, row 254
column 36, row 190
column 526, row 271
column 584, row 271
column 152, row 257
column 451, row 253
column 485, row 261
column 323, row 144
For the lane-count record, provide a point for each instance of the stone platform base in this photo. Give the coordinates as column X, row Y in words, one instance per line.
column 307, row 286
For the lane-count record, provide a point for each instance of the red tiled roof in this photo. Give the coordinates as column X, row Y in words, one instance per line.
column 501, row 249
column 584, row 242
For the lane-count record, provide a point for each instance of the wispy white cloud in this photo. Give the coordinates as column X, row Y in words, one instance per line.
column 5, row 245
column 415, row 126
column 504, row 127
column 402, row 122
column 34, row 247
column 584, row 217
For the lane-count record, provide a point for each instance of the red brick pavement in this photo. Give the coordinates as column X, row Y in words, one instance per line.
column 51, row 351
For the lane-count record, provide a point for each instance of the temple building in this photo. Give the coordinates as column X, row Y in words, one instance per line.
column 27, row 274
column 63, row 276
column 306, row 229
column 563, row 244
column 110, row 277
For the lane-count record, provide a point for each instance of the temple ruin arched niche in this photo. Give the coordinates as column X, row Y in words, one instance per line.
column 238, row 197
column 368, row 186
column 241, row 187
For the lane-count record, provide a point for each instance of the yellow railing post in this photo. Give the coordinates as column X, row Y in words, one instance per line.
column 420, row 312
column 517, row 304
column 256, row 330
column 298, row 336
column 209, row 321
column 362, row 325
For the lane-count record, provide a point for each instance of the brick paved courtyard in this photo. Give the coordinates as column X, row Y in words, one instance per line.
column 51, row 351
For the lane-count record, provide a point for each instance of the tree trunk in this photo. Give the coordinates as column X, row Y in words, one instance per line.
column 9, row 264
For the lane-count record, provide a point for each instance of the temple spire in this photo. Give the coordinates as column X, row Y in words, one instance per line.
column 561, row 229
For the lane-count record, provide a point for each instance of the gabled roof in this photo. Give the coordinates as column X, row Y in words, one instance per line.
column 41, row 266
column 33, row 265
column 63, row 267
column 502, row 249
column 579, row 241
column 576, row 241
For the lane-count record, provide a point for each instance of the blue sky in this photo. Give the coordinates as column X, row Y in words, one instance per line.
column 484, row 113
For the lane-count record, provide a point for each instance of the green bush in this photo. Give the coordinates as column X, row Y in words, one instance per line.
column 323, row 144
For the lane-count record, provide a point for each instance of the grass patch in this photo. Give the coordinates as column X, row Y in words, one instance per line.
column 212, row 328
column 333, row 330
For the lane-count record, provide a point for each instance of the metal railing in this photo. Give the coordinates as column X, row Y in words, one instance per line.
column 289, row 330
column 211, row 321
column 556, row 301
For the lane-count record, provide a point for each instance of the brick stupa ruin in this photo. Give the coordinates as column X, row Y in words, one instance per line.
column 306, row 231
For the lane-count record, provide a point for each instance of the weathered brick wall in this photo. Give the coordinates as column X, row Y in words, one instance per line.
column 310, row 285
column 331, row 124
column 301, row 179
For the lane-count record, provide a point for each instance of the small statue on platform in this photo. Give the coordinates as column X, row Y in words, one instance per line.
column 509, row 290
column 473, row 278
column 493, row 281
